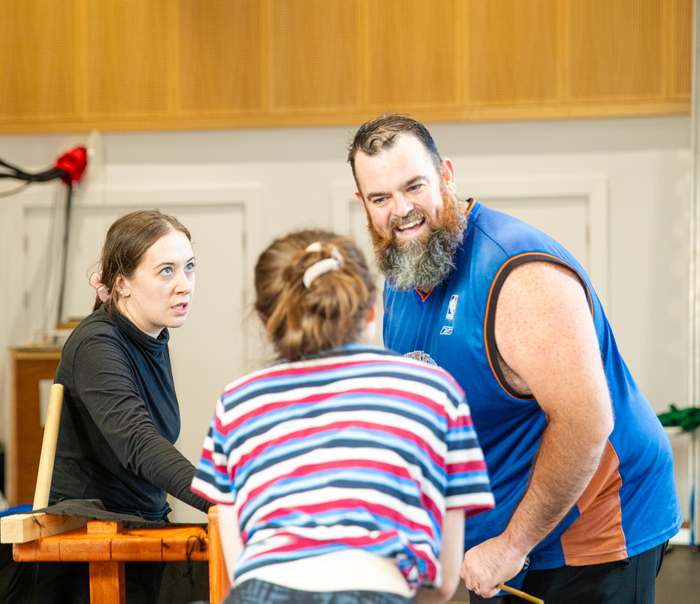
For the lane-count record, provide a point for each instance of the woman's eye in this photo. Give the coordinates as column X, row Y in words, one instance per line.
column 167, row 271
column 190, row 266
column 415, row 187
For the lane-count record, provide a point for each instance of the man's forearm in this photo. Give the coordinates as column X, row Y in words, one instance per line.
column 567, row 460
column 565, row 464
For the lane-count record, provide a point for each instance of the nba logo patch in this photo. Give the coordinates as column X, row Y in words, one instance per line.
column 452, row 307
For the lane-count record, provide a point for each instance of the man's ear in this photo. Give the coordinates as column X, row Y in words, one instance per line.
column 447, row 171
column 362, row 201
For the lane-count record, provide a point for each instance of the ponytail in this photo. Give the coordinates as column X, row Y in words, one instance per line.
column 313, row 292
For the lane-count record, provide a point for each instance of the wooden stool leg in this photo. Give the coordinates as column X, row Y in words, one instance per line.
column 107, row 579
column 219, row 583
column 107, row 583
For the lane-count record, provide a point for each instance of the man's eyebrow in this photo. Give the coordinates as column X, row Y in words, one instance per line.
column 410, row 182
column 413, row 181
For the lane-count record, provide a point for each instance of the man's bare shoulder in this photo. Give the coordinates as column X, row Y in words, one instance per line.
column 544, row 328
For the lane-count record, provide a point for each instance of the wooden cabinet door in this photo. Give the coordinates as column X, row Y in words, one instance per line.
column 28, row 369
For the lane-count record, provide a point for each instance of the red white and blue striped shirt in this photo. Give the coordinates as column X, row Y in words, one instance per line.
column 354, row 448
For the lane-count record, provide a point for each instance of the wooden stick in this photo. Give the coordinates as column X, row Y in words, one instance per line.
column 48, row 448
column 21, row 528
column 520, row 594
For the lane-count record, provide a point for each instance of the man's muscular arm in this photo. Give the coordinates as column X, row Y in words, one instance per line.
column 545, row 334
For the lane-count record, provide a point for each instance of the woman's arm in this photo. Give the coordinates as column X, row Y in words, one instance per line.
column 450, row 560
column 105, row 384
column 230, row 537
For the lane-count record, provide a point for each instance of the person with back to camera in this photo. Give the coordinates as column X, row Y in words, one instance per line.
column 580, row 466
column 343, row 472
column 120, row 416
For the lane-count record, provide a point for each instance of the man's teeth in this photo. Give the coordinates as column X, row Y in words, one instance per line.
column 413, row 223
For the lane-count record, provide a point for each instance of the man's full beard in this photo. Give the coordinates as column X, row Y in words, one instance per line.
column 425, row 262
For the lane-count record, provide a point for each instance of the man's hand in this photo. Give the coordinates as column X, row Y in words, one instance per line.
column 490, row 563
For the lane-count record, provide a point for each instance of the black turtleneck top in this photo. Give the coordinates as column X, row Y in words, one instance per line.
column 120, row 419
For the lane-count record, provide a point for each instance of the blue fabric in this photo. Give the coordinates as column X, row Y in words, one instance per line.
column 448, row 328
column 18, row 509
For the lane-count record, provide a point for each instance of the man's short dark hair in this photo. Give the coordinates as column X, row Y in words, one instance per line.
column 381, row 133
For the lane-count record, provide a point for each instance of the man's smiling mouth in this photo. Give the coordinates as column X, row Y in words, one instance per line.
column 409, row 225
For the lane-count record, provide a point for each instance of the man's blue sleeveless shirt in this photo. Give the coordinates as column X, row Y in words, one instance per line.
column 631, row 504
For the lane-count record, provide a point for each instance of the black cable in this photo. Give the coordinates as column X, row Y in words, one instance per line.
column 15, row 190
column 51, row 174
column 15, row 169
column 52, row 265
column 46, row 176
column 64, row 259
column 29, row 179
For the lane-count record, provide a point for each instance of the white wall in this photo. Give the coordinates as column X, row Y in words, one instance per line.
column 646, row 162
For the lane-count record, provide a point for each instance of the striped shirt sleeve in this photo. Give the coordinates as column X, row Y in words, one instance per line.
column 468, row 484
column 212, row 479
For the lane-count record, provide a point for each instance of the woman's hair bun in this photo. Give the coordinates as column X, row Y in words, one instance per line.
column 313, row 290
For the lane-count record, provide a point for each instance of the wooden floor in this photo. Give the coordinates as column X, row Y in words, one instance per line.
column 679, row 579
column 677, row 583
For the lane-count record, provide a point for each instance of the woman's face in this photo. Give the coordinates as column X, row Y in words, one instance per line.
column 160, row 291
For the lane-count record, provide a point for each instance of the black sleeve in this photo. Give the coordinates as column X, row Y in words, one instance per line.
column 104, row 382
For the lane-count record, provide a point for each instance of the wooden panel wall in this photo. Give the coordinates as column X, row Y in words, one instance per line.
column 127, row 58
column 220, row 58
column 412, row 54
column 184, row 64
column 513, row 51
column 681, row 48
column 38, row 79
column 616, row 49
column 314, row 55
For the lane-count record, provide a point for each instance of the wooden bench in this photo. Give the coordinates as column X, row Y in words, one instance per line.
column 106, row 546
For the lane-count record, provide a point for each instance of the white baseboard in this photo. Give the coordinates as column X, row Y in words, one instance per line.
column 682, row 538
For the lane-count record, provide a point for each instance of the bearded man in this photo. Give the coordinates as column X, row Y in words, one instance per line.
column 580, row 467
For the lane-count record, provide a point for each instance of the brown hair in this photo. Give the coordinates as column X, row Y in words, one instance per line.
column 381, row 133
column 128, row 239
column 330, row 313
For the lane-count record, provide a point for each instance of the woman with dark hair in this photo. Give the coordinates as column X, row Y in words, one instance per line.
column 343, row 472
column 120, row 416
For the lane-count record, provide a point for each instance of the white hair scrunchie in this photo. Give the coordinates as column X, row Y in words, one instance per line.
column 322, row 266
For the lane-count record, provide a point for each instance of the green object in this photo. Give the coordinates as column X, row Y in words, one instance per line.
column 687, row 419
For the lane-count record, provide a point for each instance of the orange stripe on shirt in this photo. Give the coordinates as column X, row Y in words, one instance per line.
column 596, row 536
